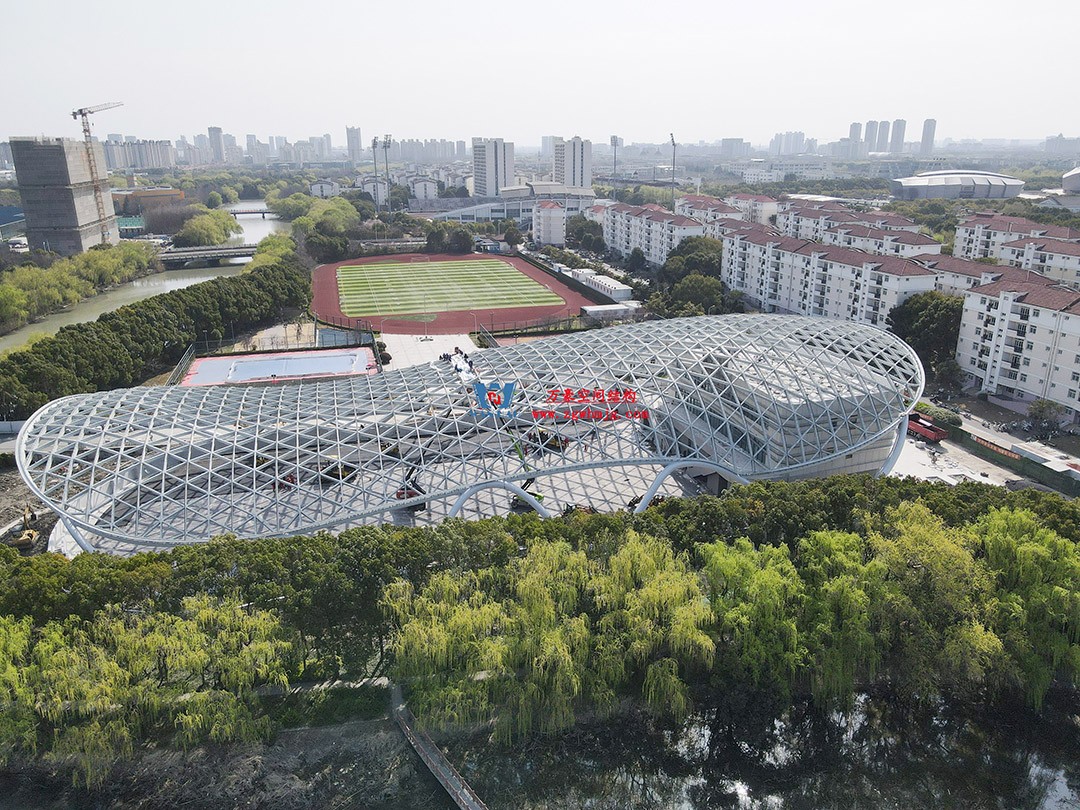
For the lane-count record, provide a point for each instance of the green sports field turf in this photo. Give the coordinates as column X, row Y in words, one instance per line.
column 408, row 288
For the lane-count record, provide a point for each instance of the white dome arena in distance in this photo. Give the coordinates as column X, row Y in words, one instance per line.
column 598, row 418
column 955, row 184
column 1070, row 181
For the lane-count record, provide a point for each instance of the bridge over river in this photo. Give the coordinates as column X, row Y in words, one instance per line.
column 178, row 257
column 452, row 781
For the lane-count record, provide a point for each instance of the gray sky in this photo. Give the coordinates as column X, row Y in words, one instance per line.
column 428, row 68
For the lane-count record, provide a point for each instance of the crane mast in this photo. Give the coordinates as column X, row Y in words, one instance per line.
column 91, row 159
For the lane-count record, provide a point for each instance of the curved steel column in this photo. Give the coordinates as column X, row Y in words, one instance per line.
column 514, row 488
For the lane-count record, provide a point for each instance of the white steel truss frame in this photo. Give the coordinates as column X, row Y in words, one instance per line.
column 748, row 396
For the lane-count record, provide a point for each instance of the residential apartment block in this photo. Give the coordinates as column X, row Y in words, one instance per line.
column 549, row 223
column 785, row 274
column 982, row 235
column 651, row 228
column 956, row 276
column 1053, row 258
column 1021, row 339
column 881, row 242
column 493, row 166
column 755, row 207
column 572, row 162
column 813, row 220
column 705, row 208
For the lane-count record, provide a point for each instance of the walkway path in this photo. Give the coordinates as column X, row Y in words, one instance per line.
column 463, row 795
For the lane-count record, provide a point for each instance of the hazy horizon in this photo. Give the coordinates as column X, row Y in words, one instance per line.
column 519, row 73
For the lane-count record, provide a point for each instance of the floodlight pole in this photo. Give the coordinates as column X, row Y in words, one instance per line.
column 673, row 172
column 375, row 160
column 386, row 157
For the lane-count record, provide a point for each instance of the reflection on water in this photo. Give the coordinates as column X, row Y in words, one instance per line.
column 255, row 227
column 747, row 758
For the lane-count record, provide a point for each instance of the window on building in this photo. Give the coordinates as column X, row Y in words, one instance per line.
column 1023, row 378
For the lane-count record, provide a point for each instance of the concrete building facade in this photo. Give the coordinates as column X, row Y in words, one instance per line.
column 1021, row 340
column 899, row 129
column 57, row 190
column 572, row 162
column 493, row 166
column 549, row 223
column 325, row 189
column 982, row 235
column 1054, row 258
column 652, row 229
column 794, row 276
column 354, row 145
column 929, row 129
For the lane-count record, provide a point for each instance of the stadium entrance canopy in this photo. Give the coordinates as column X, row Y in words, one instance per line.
column 744, row 397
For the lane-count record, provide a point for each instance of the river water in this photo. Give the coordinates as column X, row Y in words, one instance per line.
column 744, row 758
column 255, row 228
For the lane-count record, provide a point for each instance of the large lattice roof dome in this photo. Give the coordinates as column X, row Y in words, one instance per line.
column 741, row 396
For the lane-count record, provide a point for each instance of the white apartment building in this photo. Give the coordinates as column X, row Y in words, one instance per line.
column 378, row 189
column 721, row 226
column 1021, row 340
column 571, row 162
column 705, row 209
column 881, row 242
column 956, row 276
column 493, row 166
column 811, row 221
column 549, row 223
column 981, row 236
column 651, row 228
column 789, row 275
column 423, row 188
column 1053, row 258
column 325, row 188
column 595, row 212
column 755, row 207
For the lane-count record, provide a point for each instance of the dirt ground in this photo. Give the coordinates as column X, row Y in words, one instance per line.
column 15, row 496
column 359, row 764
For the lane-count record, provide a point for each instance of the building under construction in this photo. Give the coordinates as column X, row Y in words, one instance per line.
column 57, row 188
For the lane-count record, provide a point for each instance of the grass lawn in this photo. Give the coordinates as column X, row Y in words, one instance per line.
column 407, row 288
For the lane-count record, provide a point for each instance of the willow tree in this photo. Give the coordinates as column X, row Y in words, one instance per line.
column 529, row 644
column 1036, row 609
column 757, row 596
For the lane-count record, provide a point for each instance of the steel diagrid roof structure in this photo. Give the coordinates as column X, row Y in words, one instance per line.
column 745, row 396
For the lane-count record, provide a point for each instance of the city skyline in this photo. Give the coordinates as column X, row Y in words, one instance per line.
column 237, row 77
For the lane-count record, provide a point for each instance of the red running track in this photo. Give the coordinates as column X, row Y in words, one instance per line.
column 327, row 305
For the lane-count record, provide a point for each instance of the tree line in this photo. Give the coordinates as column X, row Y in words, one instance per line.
column 782, row 590
column 29, row 291
column 139, row 340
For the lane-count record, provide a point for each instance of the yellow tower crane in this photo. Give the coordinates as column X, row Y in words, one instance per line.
column 95, row 178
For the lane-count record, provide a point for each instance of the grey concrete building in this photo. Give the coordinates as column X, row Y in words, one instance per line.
column 929, row 128
column 896, row 144
column 58, row 195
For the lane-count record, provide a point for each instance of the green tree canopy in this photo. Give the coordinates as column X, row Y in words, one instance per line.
column 930, row 323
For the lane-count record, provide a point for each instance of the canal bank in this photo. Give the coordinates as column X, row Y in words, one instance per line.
column 255, row 226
